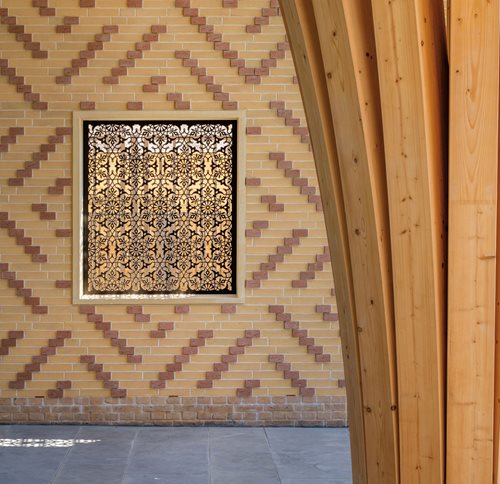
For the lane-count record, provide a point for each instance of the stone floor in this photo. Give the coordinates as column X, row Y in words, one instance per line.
column 179, row 455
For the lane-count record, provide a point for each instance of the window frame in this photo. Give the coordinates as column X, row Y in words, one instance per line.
column 79, row 297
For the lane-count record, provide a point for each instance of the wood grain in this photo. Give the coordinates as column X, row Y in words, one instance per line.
column 345, row 32
column 302, row 33
column 411, row 52
column 473, row 160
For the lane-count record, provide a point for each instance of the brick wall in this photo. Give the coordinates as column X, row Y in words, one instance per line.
column 274, row 359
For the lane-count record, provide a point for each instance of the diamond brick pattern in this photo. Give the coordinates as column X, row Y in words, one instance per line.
column 57, row 58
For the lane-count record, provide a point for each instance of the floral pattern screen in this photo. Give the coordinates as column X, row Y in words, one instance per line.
column 159, row 207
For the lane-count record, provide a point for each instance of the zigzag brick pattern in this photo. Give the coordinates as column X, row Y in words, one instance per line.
column 14, row 27
column 21, row 239
column 312, row 269
column 160, row 363
column 230, row 357
column 36, row 361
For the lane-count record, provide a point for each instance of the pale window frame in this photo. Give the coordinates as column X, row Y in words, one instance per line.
column 79, row 297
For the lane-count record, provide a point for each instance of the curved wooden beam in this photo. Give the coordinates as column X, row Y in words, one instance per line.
column 411, row 53
column 345, row 30
column 301, row 26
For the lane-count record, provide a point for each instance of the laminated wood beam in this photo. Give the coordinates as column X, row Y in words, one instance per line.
column 412, row 66
column 496, row 408
column 473, row 172
column 345, row 31
column 301, row 29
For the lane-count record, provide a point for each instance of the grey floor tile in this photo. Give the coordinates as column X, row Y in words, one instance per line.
column 310, row 454
column 27, row 464
column 241, row 455
column 96, row 460
column 169, row 454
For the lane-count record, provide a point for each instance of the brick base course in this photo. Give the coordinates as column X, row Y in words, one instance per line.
column 292, row 411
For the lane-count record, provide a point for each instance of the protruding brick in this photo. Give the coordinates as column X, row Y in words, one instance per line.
column 244, row 392
column 228, row 308
column 252, row 233
column 205, row 333
column 253, row 29
column 244, row 341
column 134, row 105
column 261, row 20
column 16, row 385
column 229, row 105
column 221, row 366
column 16, row 334
column 252, row 182
column 182, row 105
column 195, row 342
column 158, row 29
column 252, row 383
column 158, row 80
column 110, row 29
column 306, row 392
column 236, row 350
column 276, row 358
column 63, row 384
column 213, row 375
column 252, row 79
column 39, row 309
column 252, row 284
column 86, row 309
column 181, row 309
column 87, row 359
column 118, row 393
column 166, row 375
column 157, row 333
column 87, row 3
column 253, row 130
column 55, row 393
column 181, row 54
column 110, row 80
column 252, row 333
column 204, row 384
column 87, row 105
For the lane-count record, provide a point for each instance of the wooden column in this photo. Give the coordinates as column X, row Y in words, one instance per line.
column 473, row 145
column 301, row 27
column 411, row 53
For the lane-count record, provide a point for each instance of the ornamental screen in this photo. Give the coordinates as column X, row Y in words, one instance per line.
column 159, row 206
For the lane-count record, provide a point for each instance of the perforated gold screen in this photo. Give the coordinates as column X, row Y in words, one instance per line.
column 159, row 204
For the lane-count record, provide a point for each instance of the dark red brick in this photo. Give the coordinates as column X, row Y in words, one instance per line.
column 205, row 333
column 134, row 105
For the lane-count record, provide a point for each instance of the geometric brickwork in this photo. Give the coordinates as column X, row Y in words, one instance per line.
column 215, row 55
